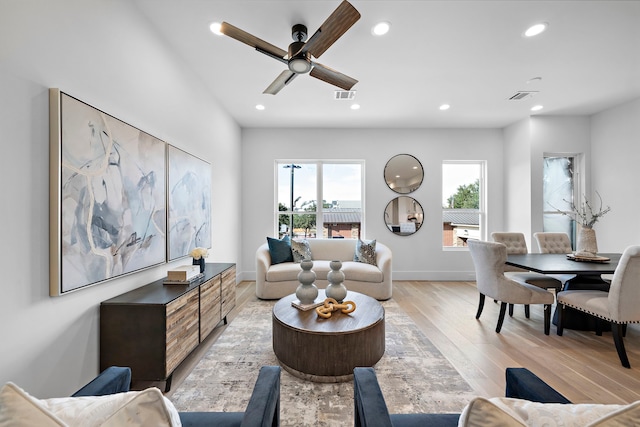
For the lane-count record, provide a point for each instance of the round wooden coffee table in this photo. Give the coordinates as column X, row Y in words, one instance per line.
column 327, row 350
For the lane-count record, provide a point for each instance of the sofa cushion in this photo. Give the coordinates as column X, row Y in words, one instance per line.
column 135, row 408
column 280, row 250
column 365, row 252
column 356, row 271
column 300, row 250
column 498, row 412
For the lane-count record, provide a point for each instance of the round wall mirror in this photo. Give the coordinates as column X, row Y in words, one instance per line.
column 403, row 173
column 403, row 216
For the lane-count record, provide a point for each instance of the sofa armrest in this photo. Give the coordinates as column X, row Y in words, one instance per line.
column 384, row 258
column 370, row 408
column 114, row 379
column 524, row 384
column 263, row 409
column 263, row 261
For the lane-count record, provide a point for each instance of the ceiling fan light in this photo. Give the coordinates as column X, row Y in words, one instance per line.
column 299, row 65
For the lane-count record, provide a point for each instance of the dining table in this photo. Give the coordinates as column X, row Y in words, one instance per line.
column 587, row 274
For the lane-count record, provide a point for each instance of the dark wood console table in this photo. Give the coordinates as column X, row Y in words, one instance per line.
column 152, row 329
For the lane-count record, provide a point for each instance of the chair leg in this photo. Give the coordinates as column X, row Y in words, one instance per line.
column 598, row 326
column 560, row 325
column 547, row 318
column 510, row 310
column 480, row 306
column 527, row 312
column 624, row 330
column 503, row 309
column 616, row 329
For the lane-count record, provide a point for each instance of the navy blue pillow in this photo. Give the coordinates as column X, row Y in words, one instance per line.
column 280, row 250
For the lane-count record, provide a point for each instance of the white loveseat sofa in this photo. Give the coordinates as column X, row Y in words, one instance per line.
column 278, row 280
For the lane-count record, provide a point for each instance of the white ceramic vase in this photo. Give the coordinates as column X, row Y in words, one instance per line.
column 587, row 244
column 307, row 292
column 336, row 289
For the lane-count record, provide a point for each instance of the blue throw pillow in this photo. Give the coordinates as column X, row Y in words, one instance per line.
column 280, row 250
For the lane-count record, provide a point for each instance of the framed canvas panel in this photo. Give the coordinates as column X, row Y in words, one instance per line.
column 107, row 196
column 189, row 203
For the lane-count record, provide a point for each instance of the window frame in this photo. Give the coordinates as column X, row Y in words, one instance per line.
column 482, row 201
column 319, row 163
column 577, row 190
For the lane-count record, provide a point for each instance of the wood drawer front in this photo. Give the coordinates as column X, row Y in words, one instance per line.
column 228, row 290
column 182, row 328
column 209, row 306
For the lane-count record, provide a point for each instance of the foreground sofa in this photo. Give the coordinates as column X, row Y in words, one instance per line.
column 279, row 280
column 263, row 409
column 371, row 409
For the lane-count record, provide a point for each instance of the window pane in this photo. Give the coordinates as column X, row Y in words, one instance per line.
column 342, row 200
column 303, row 177
column 555, row 223
column 461, row 203
column 557, row 185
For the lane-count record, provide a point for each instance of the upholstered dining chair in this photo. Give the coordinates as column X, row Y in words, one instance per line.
column 555, row 243
column 517, row 244
column 488, row 260
column 619, row 306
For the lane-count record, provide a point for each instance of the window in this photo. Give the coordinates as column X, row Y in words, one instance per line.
column 334, row 186
column 463, row 212
column 558, row 192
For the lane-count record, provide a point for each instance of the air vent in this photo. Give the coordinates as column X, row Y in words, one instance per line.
column 345, row 95
column 522, row 95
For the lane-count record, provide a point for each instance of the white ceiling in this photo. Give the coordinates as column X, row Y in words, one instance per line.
column 469, row 54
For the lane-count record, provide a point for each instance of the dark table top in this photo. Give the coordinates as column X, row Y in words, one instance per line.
column 367, row 313
column 560, row 264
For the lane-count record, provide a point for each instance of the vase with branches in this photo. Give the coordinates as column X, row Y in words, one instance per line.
column 587, row 216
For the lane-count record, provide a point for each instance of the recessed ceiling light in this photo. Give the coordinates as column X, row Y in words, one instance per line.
column 381, row 28
column 215, row 28
column 355, row 106
column 444, row 107
column 260, row 107
column 536, row 29
column 537, row 108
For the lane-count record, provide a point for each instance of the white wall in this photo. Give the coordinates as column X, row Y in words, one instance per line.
column 517, row 180
column 419, row 256
column 104, row 53
column 615, row 135
column 526, row 143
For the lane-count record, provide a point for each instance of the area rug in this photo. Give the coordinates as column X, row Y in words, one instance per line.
column 414, row 376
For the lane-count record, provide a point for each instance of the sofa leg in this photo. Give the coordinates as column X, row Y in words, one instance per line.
column 167, row 383
column 527, row 311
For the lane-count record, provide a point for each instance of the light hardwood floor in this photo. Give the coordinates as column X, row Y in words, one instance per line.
column 580, row 365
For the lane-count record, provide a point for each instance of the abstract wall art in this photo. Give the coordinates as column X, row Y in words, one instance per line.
column 189, row 203
column 107, row 196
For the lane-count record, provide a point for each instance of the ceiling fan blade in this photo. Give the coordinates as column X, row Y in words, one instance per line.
column 333, row 77
column 332, row 29
column 280, row 82
column 253, row 41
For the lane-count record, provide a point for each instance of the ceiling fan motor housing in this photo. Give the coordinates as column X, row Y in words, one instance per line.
column 299, row 63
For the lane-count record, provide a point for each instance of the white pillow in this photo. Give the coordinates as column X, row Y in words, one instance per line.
column 135, row 408
column 498, row 412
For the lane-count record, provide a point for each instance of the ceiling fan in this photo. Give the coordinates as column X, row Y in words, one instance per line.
column 299, row 56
